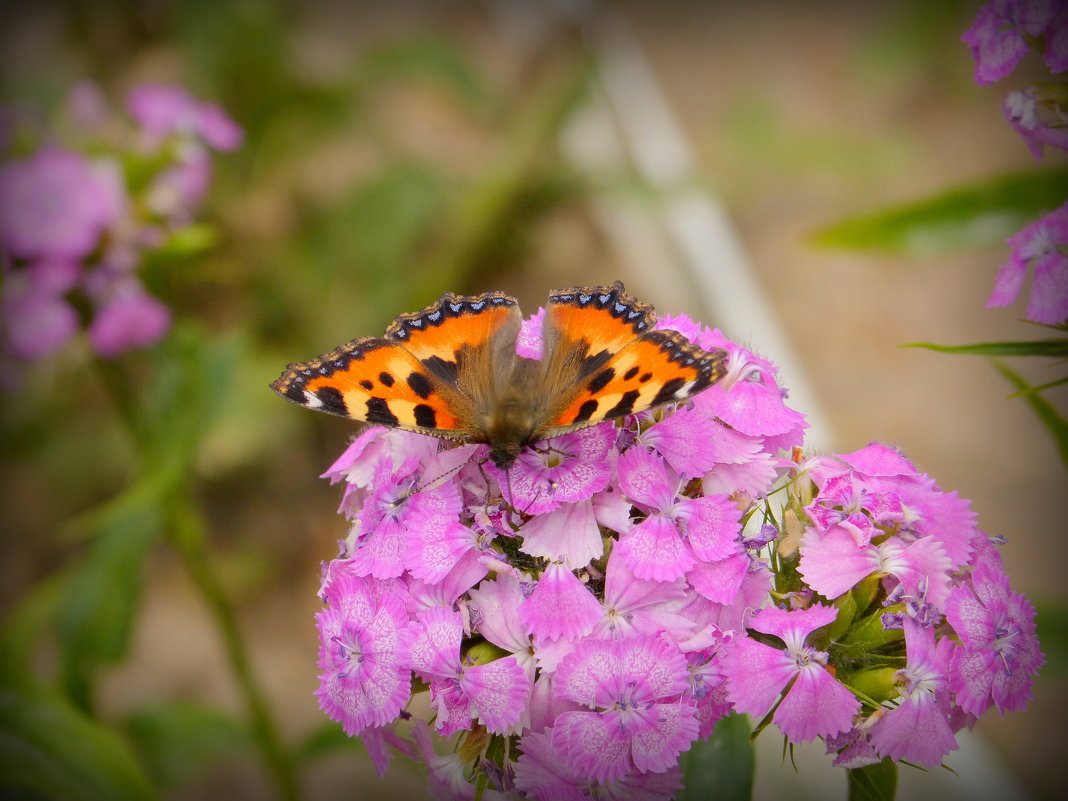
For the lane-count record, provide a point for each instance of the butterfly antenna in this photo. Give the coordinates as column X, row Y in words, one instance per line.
column 441, row 479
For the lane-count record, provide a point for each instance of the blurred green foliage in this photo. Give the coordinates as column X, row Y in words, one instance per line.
column 335, row 214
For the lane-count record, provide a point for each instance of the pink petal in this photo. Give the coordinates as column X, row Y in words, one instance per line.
column 499, row 693
column 645, row 479
column 569, row 534
column 756, row 675
column 497, row 603
column 816, row 706
column 971, row 679
column 591, row 745
column 1049, row 289
column 434, row 550
column 792, row 627
column 560, row 606
column 720, row 581
column 431, row 645
column 915, row 731
column 684, row 440
column 833, row 563
column 667, row 731
column 713, row 524
column 1008, row 283
column 654, row 550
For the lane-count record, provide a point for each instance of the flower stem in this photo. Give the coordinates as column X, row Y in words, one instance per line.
column 188, row 537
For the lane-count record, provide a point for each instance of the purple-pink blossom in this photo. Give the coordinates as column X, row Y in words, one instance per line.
column 813, row 703
column 1038, row 247
column 1002, row 33
column 602, row 603
column 636, row 714
column 164, row 110
column 54, row 204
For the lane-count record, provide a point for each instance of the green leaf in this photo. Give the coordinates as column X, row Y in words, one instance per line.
column 720, row 767
column 1051, row 348
column 49, row 749
column 1050, row 417
column 970, row 216
column 97, row 613
column 178, row 741
column 873, row 783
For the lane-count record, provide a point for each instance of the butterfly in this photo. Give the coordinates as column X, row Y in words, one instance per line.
column 451, row 370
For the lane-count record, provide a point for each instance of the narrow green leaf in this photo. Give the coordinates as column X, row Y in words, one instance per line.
column 1040, row 388
column 178, row 741
column 48, row 748
column 873, row 783
column 969, row 216
column 720, row 767
column 1050, row 417
column 1052, row 348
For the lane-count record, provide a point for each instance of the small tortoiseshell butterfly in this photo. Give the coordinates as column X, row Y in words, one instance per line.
column 451, row 370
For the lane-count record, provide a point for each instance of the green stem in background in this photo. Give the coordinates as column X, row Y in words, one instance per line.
column 187, row 533
column 188, row 536
column 489, row 206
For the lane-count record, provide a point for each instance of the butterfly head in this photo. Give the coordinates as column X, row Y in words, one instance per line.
column 504, row 454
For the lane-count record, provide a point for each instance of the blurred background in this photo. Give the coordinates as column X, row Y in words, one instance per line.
column 392, row 151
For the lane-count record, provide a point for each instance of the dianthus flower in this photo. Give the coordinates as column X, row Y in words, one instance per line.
column 1040, row 247
column 1000, row 35
column 581, row 619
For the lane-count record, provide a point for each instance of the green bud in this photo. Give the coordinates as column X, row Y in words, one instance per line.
column 483, row 653
column 876, row 683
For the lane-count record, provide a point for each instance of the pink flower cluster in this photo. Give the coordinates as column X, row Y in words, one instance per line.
column 1001, row 35
column 575, row 624
column 74, row 226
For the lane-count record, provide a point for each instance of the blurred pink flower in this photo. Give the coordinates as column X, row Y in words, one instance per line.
column 163, row 110
column 55, row 203
column 130, row 318
column 1039, row 246
column 999, row 36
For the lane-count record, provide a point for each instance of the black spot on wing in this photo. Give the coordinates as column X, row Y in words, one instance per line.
column 332, row 399
column 424, row 416
column 592, row 362
column 420, row 385
column 386, row 379
column 625, row 405
column 585, row 411
column 378, row 412
column 368, row 385
column 633, row 371
column 669, row 391
column 601, row 380
column 295, row 393
column 644, row 378
column 447, row 371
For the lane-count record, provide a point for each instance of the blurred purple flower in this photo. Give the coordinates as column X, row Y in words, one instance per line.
column 129, row 318
column 999, row 36
column 54, row 203
column 164, row 110
column 1039, row 245
column 1039, row 116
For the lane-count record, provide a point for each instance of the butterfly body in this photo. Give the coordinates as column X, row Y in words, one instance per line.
column 451, row 370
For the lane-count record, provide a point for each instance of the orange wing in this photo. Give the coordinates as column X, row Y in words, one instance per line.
column 417, row 377
column 608, row 360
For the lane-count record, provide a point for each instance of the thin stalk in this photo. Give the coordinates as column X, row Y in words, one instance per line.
column 187, row 534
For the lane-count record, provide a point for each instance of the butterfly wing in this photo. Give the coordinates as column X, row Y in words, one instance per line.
column 421, row 376
column 606, row 360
